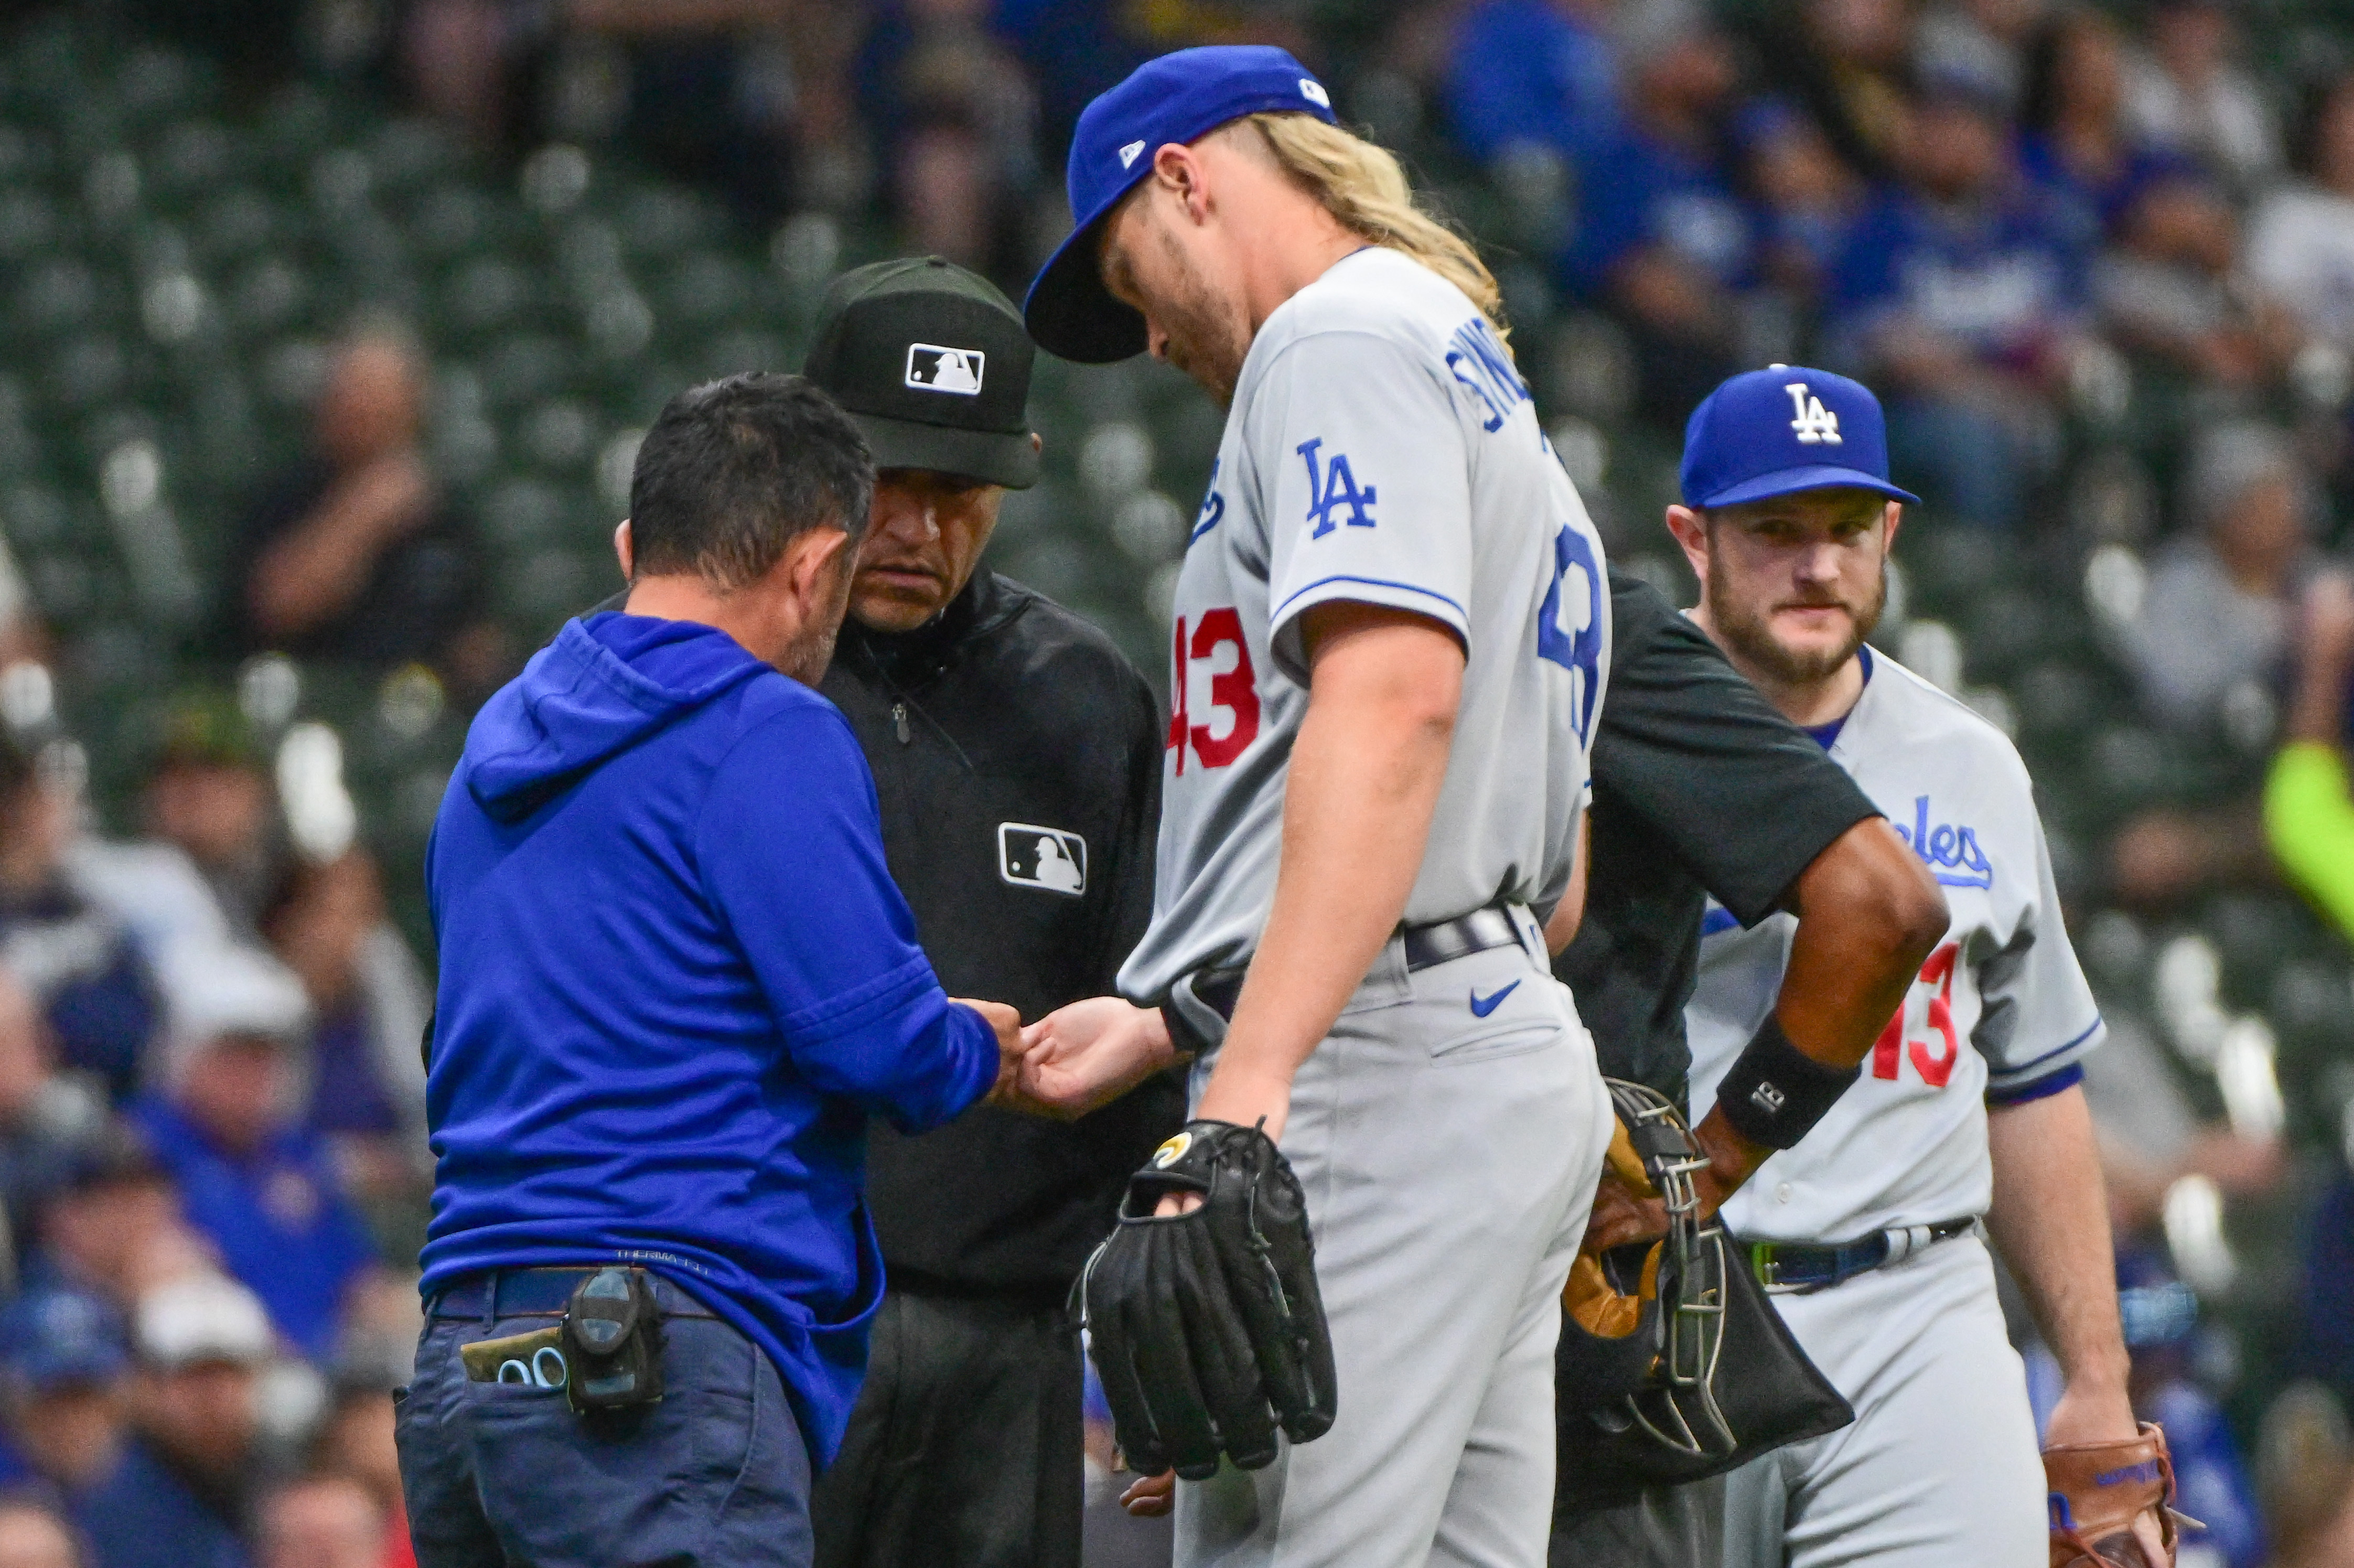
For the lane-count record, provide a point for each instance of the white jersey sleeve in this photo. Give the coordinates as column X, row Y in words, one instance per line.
column 2037, row 1016
column 1370, row 492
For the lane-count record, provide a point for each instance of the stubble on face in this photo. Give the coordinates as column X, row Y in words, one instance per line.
column 806, row 658
column 1202, row 331
column 1745, row 624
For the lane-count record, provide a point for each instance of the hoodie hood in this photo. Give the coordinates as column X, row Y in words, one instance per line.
column 602, row 686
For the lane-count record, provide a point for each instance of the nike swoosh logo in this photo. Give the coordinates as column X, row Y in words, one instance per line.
column 1481, row 1006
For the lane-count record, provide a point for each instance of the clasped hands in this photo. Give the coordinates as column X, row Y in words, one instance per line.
column 1078, row 1058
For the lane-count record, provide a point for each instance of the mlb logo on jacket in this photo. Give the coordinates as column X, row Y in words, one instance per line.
column 1053, row 859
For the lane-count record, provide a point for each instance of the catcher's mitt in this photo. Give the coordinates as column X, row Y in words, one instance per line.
column 1673, row 1366
column 1206, row 1327
column 2098, row 1491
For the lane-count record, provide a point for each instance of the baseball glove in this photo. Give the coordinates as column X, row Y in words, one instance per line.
column 1206, row 1327
column 2099, row 1491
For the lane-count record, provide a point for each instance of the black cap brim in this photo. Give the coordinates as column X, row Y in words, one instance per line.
column 1011, row 461
column 1071, row 314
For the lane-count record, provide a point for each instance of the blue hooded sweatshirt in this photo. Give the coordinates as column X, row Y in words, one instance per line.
column 676, row 977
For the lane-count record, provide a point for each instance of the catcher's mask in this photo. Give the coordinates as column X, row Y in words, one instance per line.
column 1642, row 1326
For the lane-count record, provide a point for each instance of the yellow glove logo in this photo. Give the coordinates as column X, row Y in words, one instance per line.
column 1171, row 1152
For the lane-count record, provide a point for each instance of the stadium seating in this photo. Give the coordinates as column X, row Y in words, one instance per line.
column 172, row 267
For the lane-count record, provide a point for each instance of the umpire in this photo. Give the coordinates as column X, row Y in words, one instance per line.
column 1017, row 756
column 1701, row 787
column 675, row 980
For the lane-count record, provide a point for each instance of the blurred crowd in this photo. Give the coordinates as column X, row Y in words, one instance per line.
column 211, row 1138
column 2098, row 258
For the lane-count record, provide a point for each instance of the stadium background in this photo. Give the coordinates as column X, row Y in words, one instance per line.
column 574, row 210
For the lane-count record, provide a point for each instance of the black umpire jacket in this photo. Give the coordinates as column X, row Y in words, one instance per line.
column 1017, row 758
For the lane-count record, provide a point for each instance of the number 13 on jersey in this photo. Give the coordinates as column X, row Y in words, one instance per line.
column 1569, row 625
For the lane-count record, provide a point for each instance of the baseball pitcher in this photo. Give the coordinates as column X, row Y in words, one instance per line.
column 1388, row 649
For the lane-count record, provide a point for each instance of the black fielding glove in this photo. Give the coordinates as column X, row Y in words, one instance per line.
column 1207, row 1328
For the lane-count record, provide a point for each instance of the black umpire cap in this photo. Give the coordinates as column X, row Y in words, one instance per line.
column 932, row 364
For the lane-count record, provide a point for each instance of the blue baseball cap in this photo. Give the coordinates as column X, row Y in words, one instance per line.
column 1176, row 98
column 1784, row 429
column 56, row 1336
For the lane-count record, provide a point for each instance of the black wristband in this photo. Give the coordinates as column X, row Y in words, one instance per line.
column 1776, row 1093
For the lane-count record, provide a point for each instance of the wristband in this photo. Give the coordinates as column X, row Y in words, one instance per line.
column 1776, row 1093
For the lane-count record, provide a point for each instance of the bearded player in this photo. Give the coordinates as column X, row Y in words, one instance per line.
column 1969, row 1107
column 1390, row 636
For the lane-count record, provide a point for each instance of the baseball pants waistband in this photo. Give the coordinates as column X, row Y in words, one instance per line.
column 1785, row 1266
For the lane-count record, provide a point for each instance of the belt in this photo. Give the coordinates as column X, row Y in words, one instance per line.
column 539, row 1293
column 1784, row 1267
column 1442, row 941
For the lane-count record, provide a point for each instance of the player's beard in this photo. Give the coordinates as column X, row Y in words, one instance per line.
column 1750, row 634
column 1206, row 335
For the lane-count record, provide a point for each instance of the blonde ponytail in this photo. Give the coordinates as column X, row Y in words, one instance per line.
column 1362, row 187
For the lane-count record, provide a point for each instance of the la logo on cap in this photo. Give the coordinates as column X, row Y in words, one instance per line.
column 1815, row 425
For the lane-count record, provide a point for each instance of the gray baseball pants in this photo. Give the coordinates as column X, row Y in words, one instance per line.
column 1448, row 1134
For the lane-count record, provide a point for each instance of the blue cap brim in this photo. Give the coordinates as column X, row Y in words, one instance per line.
column 1070, row 313
column 1790, row 481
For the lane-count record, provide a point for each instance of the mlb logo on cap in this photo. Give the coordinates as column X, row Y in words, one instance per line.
column 931, row 368
column 1782, row 430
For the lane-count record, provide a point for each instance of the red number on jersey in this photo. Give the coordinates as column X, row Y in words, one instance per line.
column 1233, row 689
column 1938, row 972
column 1934, row 1070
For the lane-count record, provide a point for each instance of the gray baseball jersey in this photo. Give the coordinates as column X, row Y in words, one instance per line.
column 1999, row 1004
column 1382, row 448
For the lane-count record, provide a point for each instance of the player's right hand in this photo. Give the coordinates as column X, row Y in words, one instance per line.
column 1085, row 1055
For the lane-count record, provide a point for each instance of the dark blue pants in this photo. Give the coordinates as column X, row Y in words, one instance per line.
column 505, row 1476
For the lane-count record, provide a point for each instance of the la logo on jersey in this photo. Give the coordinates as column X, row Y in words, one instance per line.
column 931, row 368
column 1334, row 487
column 1053, row 859
column 1816, row 425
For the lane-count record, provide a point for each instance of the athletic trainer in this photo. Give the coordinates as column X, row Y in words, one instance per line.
column 675, row 980
column 1017, row 759
column 1388, row 649
column 1971, row 1107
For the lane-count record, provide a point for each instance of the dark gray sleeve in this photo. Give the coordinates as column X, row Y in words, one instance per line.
column 1742, row 797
